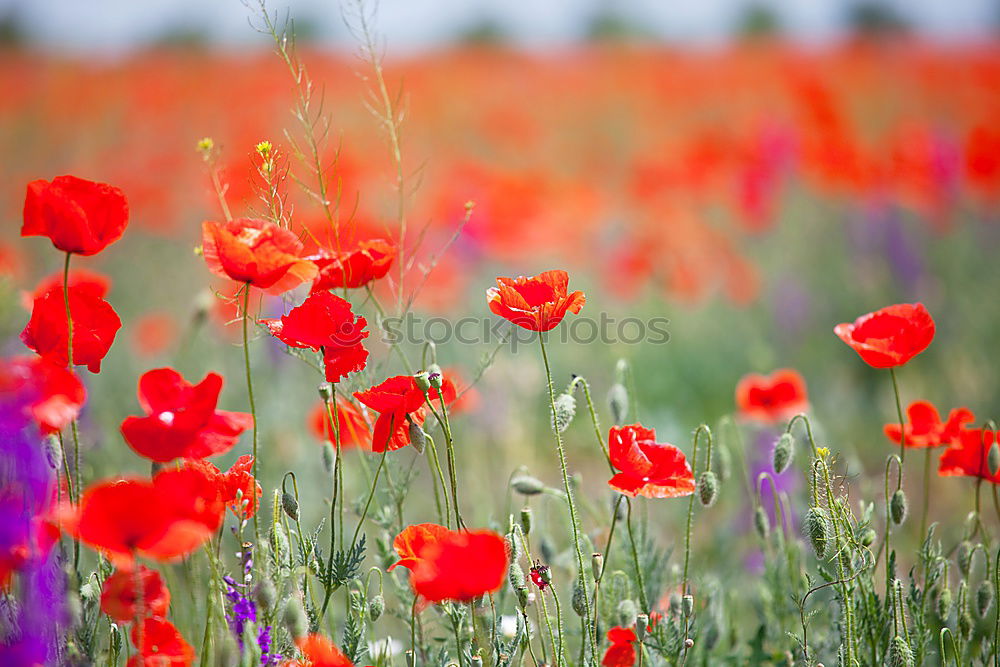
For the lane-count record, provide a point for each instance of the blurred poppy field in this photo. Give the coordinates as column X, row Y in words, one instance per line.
column 620, row 354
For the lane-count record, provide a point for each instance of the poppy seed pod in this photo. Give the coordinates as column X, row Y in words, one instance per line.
column 984, row 598
column 375, row 607
column 819, row 531
column 563, row 412
column 527, row 485
column 641, row 625
column 526, row 520
column 687, row 605
column 708, row 488
column 781, row 456
column 423, row 381
column 898, row 507
column 295, row 619
column 761, row 523
column 597, row 566
column 418, row 438
column 900, row 654
column 290, row 506
column 435, row 376
column 993, row 459
column 618, row 403
column 627, row 613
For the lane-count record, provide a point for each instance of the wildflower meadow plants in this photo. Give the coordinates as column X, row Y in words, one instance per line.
column 614, row 547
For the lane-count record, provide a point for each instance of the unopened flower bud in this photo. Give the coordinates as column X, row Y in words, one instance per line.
column 868, row 537
column 618, row 403
column 723, row 462
column 761, row 523
column 708, row 488
column 418, row 438
column 435, row 376
column 627, row 613
column 423, row 381
column 526, row 520
column 295, row 618
column 675, row 604
column 264, row 594
column 943, row 604
column 564, row 411
column 597, row 566
column 687, row 605
column 784, row 449
column 641, row 625
column 515, row 575
column 325, row 390
column 993, row 459
column 290, row 505
column 53, row 452
column 964, row 557
column 898, row 507
column 375, row 607
column 579, row 600
column 984, row 598
column 527, row 485
column 900, row 654
column 522, row 595
column 965, row 624
column 357, row 601
column 329, row 457
column 818, row 529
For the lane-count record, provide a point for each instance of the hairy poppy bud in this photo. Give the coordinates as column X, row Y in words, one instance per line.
column 264, row 594
column 943, row 604
column 900, row 654
column 993, row 460
column 708, row 488
column 290, row 505
column 522, row 595
column 423, row 381
column 527, row 485
column 898, row 507
column 357, row 601
column 53, row 452
column 641, row 625
column 868, row 537
column 435, row 376
column 375, row 607
column 618, row 403
column 687, row 605
column 325, row 390
column 819, row 531
column 964, row 557
column 761, row 523
column 597, row 566
column 417, row 437
column 563, row 412
column 723, row 462
column 781, row 456
column 984, row 598
column 627, row 613
column 579, row 600
column 965, row 624
column 526, row 520
column 329, row 457
column 515, row 575
column 295, row 619
column 279, row 543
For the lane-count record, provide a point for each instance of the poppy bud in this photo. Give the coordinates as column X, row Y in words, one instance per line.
column 597, row 566
column 898, row 507
column 723, row 462
column 564, row 411
column 357, row 601
column 527, row 485
column 264, row 594
column 900, row 654
column 819, row 531
column 423, row 381
column 761, row 523
column 579, row 600
column 868, row 537
column 687, row 605
column 627, row 613
column 781, row 457
column 417, row 437
column 522, row 595
column 290, row 505
column 375, row 607
column 675, row 604
column 993, row 459
column 708, row 488
column 515, row 575
column 965, row 625
column 53, row 452
column 618, row 403
column 526, row 520
column 641, row 625
column 435, row 376
column 325, row 390
column 329, row 457
column 943, row 606
column 619, row 508
column 295, row 618
column 279, row 543
column 964, row 557
column 984, row 598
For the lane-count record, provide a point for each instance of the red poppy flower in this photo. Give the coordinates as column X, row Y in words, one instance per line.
column 181, row 418
column 925, row 428
column 161, row 519
column 54, row 393
column 648, row 468
column 369, row 261
column 325, row 322
column 891, row 336
column 538, row 303
column 394, row 400
column 77, row 215
column 621, row 653
column 95, row 324
column 538, row 576
column 460, row 565
column 354, row 429
column 773, row 397
column 969, row 456
column 160, row 644
column 410, row 543
column 119, row 599
column 239, row 486
column 257, row 252
column 94, row 282
column 319, row 651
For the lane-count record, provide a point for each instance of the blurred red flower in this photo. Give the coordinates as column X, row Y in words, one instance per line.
column 538, row 303
column 54, row 393
column 369, row 261
column 318, row 651
column 460, row 565
column 119, row 598
column 773, row 397
column 97, row 283
column 395, row 399
column 160, row 644
column 648, row 468
column 925, row 428
column 325, row 322
column 239, row 486
column 257, row 252
column 153, row 333
column 969, row 457
column 77, row 215
column 891, row 336
column 354, row 429
column 182, row 420
column 413, row 540
column 95, row 324
column 621, row 653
